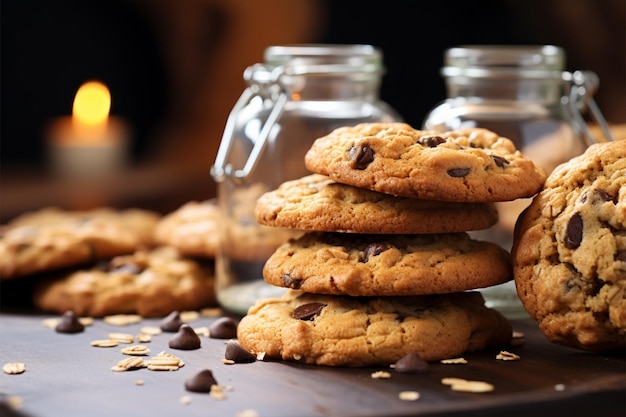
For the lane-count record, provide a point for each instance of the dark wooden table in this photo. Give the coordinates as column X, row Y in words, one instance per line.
column 66, row 376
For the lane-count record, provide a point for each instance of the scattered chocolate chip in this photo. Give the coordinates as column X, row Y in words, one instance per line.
column 412, row 363
column 69, row 324
column 223, row 328
column 361, row 156
column 620, row 255
column 236, row 353
column 458, row 172
column 201, row 381
column 431, row 141
column 185, row 339
column 499, row 161
column 308, row 311
column 171, row 323
column 374, row 249
column 574, row 231
column 290, row 282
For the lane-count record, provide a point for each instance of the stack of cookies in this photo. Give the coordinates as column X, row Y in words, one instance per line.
column 385, row 266
column 107, row 261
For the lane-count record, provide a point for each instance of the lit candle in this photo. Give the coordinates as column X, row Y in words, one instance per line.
column 89, row 144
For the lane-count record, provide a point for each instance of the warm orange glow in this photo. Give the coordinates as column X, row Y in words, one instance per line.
column 91, row 105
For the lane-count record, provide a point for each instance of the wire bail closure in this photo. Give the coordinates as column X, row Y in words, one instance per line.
column 580, row 88
column 262, row 82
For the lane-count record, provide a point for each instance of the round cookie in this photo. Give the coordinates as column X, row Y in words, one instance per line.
column 569, row 251
column 315, row 202
column 192, row 229
column 361, row 331
column 465, row 165
column 387, row 265
column 52, row 238
column 149, row 283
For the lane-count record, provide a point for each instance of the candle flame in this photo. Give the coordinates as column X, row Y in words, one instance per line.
column 91, row 104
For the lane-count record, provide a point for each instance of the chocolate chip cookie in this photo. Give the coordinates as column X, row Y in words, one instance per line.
column 465, row 165
column 315, row 202
column 52, row 238
column 151, row 283
column 361, row 331
column 569, row 251
column 387, row 265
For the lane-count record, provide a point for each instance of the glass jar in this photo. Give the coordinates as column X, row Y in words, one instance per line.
column 300, row 93
column 523, row 93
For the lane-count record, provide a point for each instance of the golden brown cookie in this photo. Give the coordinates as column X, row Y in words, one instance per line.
column 192, row 229
column 387, row 265
column 149, row 283
column 465, row 165
column 52, row 238
column 315, row 202
column 569, row 251
column 370, row 331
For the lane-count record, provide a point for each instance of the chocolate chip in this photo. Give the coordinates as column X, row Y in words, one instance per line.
column 574, row 231
column 290, row 282
column 185, row 339
column 499, row 161
column 361, row 156
column 69, row 324
column 308, row 311
column 171, row 323
column 411, row 363
column 458, row 172
column 620, row 255
column 598, row 195
column 431, row 141
column 374, row 249
column 223, row 328
column 236, row 353
column 201, row 381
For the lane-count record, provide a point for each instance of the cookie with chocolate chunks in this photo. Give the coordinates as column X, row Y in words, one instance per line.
column 315, row 202
column 465, row 165
column 569, row 251
column 384, row 265
column 347, row 331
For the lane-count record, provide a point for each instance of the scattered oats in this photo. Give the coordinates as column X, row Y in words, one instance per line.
column 151, row 330
column 202, row 331
column 139, row 382
column 164, row 362
column 14, row 402
column 122, row 319
column 381, row 375
column 454, row 361
column 122, row 337
column 126, row 364
column 104, row 343
column 211, row 312
column 451, row 380
column 247, row 413
column 135, row 350
column 260, row 356
column 185, row 399
column 559, row 387
column 14, row 368
column 228, row 361
column 464, row 385
column 188, row 316
column 143, row 338
column 86, row 321
column 507, row 356
column 217, row 392
column 517, row 339
column 409, row 395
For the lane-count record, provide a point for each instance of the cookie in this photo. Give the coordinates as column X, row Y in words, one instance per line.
column 52, row 238
column 387, row 265
column 361, row 331
column 569, row 251
column 315, row 202
column 151, row 283
column 192, row 229
column 465, row 165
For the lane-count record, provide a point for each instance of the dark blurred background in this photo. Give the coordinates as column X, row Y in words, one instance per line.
column 174, row 67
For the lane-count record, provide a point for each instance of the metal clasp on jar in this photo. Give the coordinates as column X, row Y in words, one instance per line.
column 578, row 97
column 262, row 82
